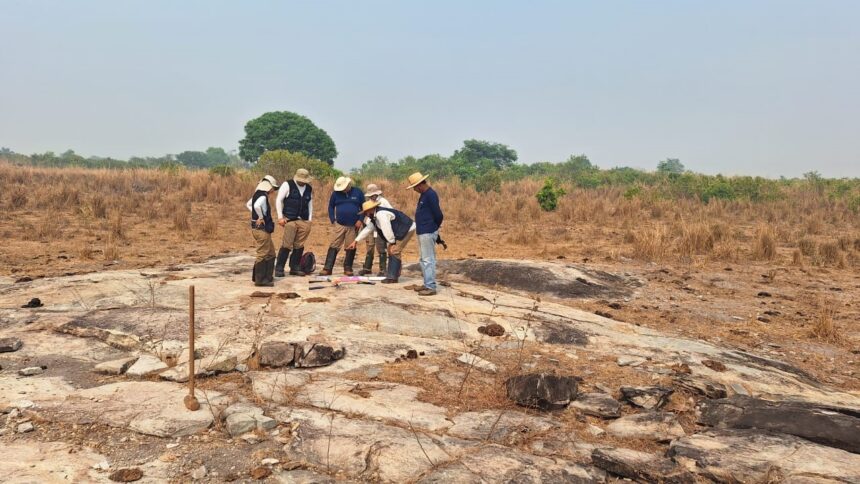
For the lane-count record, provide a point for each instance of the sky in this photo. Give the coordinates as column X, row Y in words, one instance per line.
column 748, row 87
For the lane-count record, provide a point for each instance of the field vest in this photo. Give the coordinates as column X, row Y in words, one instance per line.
column 296, row 204
column 400, row 225
column 267, row 217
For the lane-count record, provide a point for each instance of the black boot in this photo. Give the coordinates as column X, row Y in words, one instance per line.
column 263, row 274
column 348, row 259
column 329, row 261
column 254, row 273
column 393, row 275
column 283, row 253
column 295, row 262
column 383, row 257
column 368, row 265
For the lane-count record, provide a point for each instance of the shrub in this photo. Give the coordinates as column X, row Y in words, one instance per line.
column 490, row 181
column 548, row 195
column 283, row 164
column 222, row 170
column 764, row 247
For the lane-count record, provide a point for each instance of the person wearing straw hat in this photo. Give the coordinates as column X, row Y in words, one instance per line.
column 374, row 242
column 392, row 226
column 344, row 206
column 295, row 205
column 262, row 226
column 428, row 220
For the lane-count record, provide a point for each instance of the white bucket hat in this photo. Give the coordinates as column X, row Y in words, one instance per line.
column 271, row 179
column 341, row 183
column 265, row 186
column 372, row 190
column 302, row 175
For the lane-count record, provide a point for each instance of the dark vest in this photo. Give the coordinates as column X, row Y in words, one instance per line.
column 296, row 204
column 400, row 225
column 269, row 223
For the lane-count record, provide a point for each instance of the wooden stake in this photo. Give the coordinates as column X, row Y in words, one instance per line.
column 191, row 402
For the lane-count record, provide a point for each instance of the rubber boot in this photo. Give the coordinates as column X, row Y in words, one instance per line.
column 295, row 262
column 329, row 261
column 367, row 269
column 254, row 273
column 383, row 258
column 393, row 275
column 348, row 259
column 262, row 274
column 270, row 271
column 283, row 254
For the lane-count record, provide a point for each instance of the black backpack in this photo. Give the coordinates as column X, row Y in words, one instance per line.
column 308, row 263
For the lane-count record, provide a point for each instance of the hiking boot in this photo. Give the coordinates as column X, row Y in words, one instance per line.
column 262, row 276
column 427, row 292
column 283, row 253
column 348, row 259
column 295, row 263
column 367, row 269
column 383, row 258
column 330, row 257
column 393, row 275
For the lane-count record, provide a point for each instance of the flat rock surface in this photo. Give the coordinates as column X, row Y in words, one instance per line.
column 657, row 426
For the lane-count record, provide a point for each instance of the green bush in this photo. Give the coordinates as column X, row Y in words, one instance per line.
column 222, row 170
column 548, row 195
column 490, row 181
column 283, row 164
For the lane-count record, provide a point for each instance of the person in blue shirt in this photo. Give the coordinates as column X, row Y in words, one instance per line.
column 344, row 206
column 428, row 220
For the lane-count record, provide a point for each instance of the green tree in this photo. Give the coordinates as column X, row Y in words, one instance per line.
column 193, row 159
column 476, row 157
column 283, row 164
column 549, row 194
column 671, row 166
column 283, row 130
column 217, row 156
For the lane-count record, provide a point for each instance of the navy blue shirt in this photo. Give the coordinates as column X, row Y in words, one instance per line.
column 343, row 207
column 428, row 214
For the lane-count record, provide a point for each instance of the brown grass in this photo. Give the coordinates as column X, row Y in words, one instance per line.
column 823, row 327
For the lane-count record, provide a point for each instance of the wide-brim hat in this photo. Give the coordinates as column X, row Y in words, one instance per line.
column 265, row 186
column 271, row 179
column 416, row 178
column 368, row 205
column 341, row 183
column 372, row 190
column 303, row 176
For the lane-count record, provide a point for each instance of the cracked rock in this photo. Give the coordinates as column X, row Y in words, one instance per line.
column 597, row 405
column 541, row 390
column 649, row 398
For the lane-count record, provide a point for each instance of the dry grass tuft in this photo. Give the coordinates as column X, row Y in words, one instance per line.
column 829, row 253
column 824, row 328
column 764, row 245
column 807, row 247
column 651, row 244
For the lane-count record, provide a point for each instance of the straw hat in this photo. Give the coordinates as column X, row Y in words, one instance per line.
column 265, row 186
column 271, row 179
column 372, row 190
column 341, row 183
column 416, row 178
column 368, row 205
column 302, row 175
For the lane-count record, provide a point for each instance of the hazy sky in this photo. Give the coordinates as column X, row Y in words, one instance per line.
column 738, row 87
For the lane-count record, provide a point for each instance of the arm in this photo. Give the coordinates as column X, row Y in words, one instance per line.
column 250, row 208
column 331, row 208
column 311, row 210
column 436, row 210
column 260, row 207
column 384, row 221
column 366, row 231
column 283, row 193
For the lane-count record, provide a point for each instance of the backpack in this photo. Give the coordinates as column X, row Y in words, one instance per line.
column 308, row 263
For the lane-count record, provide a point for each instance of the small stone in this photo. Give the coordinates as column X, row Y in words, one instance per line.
column 240, row 423
column 251, row 439
column 25, row 427
column 597, row 405
column 714, row 365
column 172, row 445
column 146, row 365
column 242, row 368
column 8, row 345
column 260, row 472
column 412, row 355
column 311, row 355
column 269, row 461
column 629, row 361
column 116, row 367
column 646, row 397
column 128, row 474
column 739, row 389
column 594, row 430
column 199, row 473
column 492, row 329
column 101, row 466
column 265, row 423
column 30, row 371
column 477, row 362
column 242, row 407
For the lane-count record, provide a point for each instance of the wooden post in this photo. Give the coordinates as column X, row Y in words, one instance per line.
column 191, row 402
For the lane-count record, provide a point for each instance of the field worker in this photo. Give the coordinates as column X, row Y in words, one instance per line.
column 428, row 220
column 343, row 211
column 262, row 226
column 295, row 205
column 374, row 242
column 392, row 226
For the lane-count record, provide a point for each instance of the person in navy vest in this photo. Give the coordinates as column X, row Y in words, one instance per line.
column 343, row 211
column 262, row 226
column 295, row 204
column 428, row 220
column 392, row 226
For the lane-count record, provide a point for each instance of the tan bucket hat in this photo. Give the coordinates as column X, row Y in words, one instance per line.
column 265, row 186
column 368, row 205
column 271, row 179
column 372, row 190
column 302, row 175
column 341, row 183
column 416, row 178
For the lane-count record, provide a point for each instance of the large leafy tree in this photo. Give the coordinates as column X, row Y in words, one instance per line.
column 283, row 130
column 477, row 153
column 671, row 166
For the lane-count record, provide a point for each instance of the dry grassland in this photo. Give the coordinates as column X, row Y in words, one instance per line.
column 778, row 277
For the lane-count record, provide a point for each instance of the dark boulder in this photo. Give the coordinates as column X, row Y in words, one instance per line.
column 317, row 354
column 833, row 427
column 276, row 353
column 8, row 345
column 650, row 398
column 540, row 390
column 640, row 466
column 492, row 329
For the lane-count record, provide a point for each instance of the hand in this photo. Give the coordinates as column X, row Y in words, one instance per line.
column 390, row 246
column 358, row 225
column 351, row 246
column 282, row 222
column 260, row 222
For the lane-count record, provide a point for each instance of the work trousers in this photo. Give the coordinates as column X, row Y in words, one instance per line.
column 296, row 232
column 265, row 247
column 344, row 235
